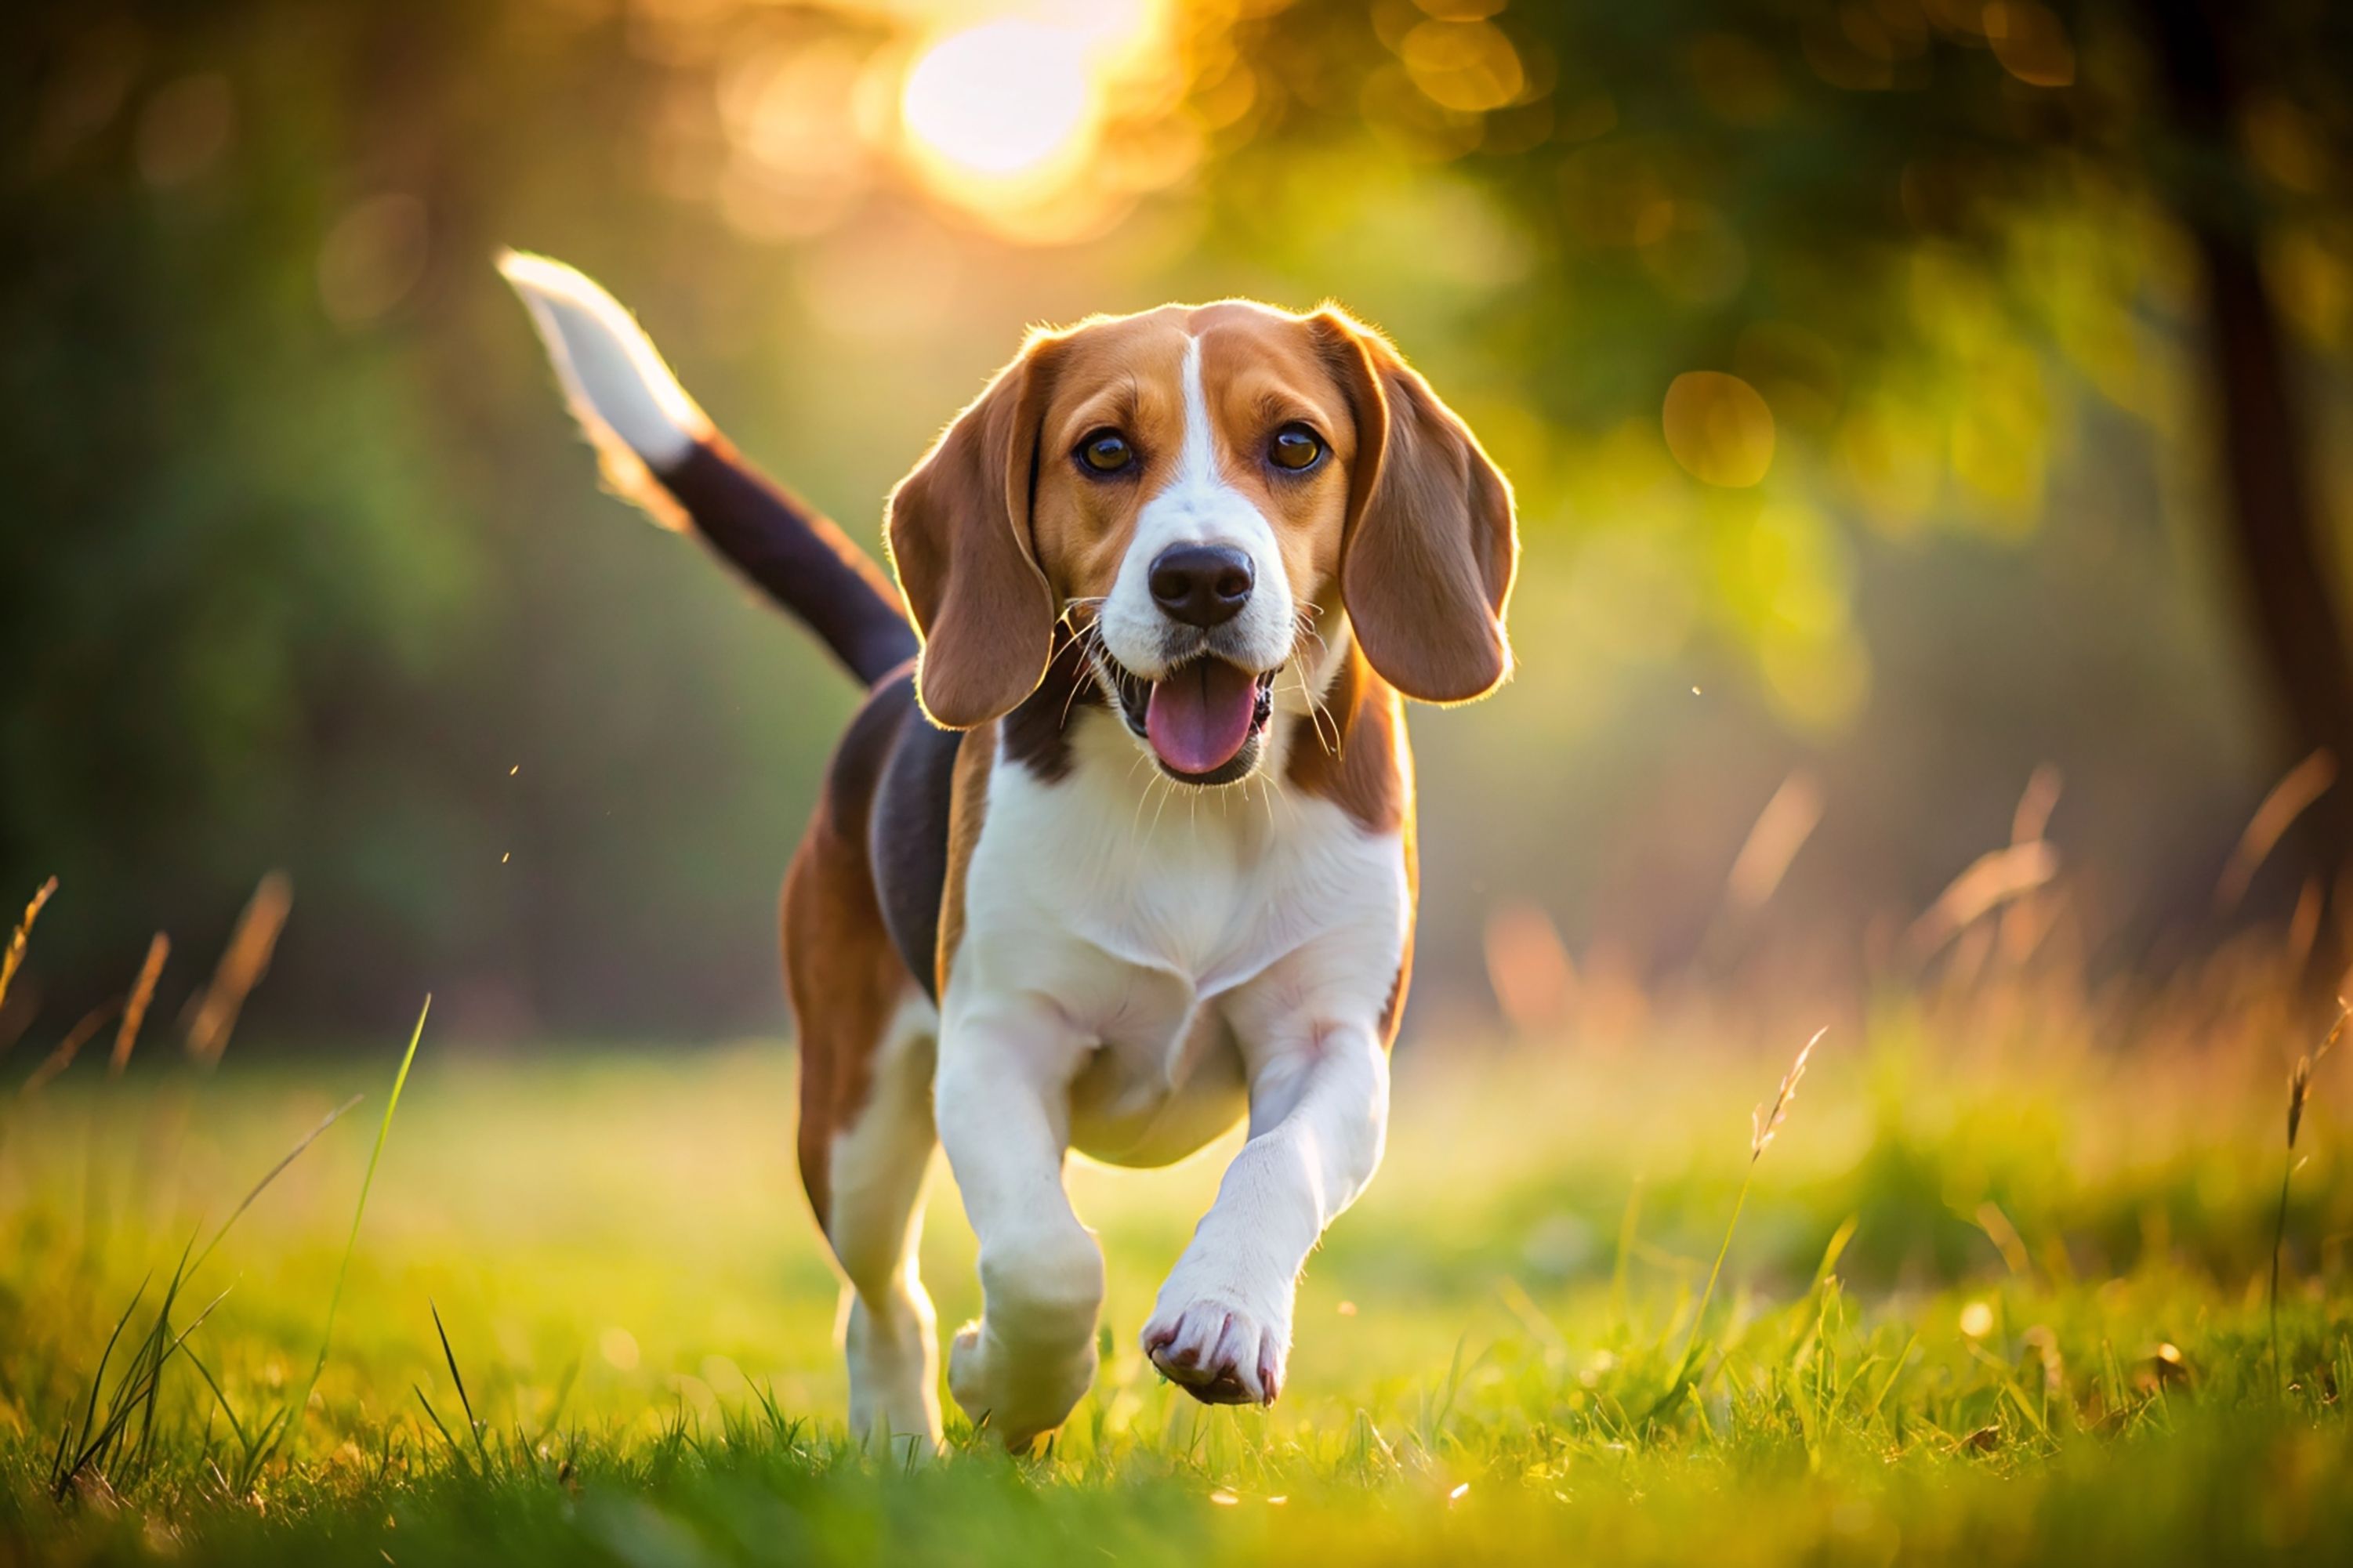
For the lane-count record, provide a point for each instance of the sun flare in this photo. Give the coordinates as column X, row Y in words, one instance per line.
column 1003, row 99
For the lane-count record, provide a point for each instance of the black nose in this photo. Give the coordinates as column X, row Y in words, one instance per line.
column 1202, row 585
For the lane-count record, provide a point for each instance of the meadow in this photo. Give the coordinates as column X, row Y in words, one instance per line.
column 1905, row 402
column 2000, row 1290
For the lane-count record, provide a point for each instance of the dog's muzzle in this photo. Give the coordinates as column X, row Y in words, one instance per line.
column 1205, row 721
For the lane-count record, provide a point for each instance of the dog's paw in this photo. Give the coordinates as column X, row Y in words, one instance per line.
column 1216, row 1349
column 1016, row 1400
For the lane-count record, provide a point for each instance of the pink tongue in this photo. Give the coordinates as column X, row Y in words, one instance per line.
column 1199, row 718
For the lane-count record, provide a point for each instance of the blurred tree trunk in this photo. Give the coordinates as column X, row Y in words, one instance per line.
column 2274, row 526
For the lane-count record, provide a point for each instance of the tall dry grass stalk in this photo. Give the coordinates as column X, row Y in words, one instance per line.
column 81, row 1034
column 1779, row 831
column 1764, row 1121
column 2299, row 1089
column 131, row 1009
column 2027, row 919
column 241, row 967
column 134, row 1011
column 2290, row 798
column 1992, row 879
column 14, row 958
column 1529, row 969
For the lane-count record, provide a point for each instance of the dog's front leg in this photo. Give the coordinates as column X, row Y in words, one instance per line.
column 1003, row 1110
column 1319, row 1112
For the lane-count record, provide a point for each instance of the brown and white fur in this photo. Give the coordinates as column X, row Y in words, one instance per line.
column 1014, row 927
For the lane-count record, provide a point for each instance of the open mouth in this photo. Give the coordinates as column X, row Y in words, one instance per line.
column 1202, row 720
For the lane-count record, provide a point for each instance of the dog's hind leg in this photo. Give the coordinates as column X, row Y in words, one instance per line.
column 867, row 1038
column 879, row 1166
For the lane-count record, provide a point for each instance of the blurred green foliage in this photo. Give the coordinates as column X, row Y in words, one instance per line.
column 285, row 590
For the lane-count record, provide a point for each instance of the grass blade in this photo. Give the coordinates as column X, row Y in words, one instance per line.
column 456, row 1453
column 67, row 1442
column 359, row 1211
column 473, row 1425
column 275, row 1172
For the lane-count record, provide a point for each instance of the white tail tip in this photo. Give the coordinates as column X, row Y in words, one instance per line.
column 625, row 398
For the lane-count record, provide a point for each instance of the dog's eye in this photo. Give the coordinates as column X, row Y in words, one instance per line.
column 1106, row 452
column 1294, row 448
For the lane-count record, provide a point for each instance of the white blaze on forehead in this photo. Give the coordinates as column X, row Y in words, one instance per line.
column 1197, row 464
column 1197, row 506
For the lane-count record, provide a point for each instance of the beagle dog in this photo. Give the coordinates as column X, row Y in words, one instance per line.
column 1120, row 847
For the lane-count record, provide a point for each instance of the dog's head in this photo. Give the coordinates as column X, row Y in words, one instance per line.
column 1209, row 494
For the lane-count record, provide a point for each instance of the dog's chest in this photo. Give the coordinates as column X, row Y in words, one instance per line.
column 1138, row 909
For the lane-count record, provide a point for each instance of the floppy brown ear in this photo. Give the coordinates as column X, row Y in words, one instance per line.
column 959, row 530
column 1430, row 545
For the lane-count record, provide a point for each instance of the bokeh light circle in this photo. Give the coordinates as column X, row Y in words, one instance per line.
column 1718, row 428
column 1001, row 99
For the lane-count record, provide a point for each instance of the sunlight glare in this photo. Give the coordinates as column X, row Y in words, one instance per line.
column 1001, row 99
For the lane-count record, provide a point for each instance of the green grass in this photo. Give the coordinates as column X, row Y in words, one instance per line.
column 2000, row 1292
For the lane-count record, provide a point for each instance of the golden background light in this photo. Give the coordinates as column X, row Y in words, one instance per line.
column 1045, row 122
column 1002, row 98
column 1718, row 428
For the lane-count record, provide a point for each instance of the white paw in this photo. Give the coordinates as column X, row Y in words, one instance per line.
column 1014, row 1399
column 1221, row 1345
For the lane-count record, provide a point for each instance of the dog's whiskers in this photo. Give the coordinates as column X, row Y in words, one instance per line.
column 1135, row 822
column 1328, row 726
column 1307, row 622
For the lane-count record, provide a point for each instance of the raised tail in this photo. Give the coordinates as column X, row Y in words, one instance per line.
column 661, row 451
